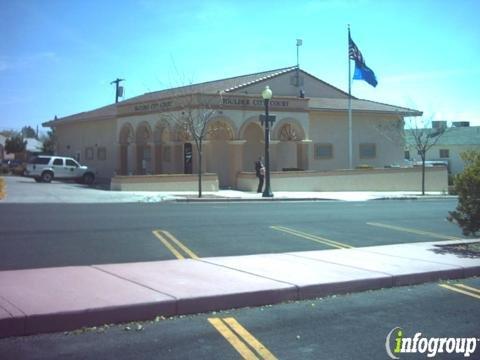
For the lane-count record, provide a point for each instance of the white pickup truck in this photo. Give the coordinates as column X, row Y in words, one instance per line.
column 45, row 168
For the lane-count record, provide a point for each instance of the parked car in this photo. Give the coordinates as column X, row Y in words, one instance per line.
column 45, row 168
column 12, row 166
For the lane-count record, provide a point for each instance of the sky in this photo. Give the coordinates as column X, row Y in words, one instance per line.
column 58, row 57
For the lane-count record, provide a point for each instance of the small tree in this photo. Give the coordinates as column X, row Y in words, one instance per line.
column 28, row 132
column 196, row 112
column 423, row 140
column 467, row 186
column 49, row 142
column 15, row 144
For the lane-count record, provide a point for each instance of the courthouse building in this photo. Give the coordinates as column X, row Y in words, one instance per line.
column 139, row 136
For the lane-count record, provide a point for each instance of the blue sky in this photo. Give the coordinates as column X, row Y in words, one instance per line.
column 59, row 57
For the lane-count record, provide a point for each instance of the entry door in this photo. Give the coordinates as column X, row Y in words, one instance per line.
column 188, row 158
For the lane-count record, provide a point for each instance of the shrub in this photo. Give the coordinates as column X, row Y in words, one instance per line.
column 467, row 186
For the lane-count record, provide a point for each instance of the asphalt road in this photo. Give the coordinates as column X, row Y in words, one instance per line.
column 352, row 326
column 46, row 235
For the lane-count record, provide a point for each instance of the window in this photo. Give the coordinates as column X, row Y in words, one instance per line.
column 58, row 162
column 70, row 162
column 368, row 151
column 41, row 160
column 407, row 154
column 323, row 151
column 444, row 153
column 89, row 153
column 102, row 153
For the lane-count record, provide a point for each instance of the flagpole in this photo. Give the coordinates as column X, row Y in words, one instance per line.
column 350, row 154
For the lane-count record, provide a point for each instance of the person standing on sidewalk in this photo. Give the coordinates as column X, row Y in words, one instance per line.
column 260, row 173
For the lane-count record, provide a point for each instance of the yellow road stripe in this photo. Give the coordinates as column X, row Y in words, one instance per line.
column 250, row 339
column 459, row 291
column 180, row 245
column 3, row 188
column 159, row 235
column 414, row 231
column 233, row 339
column 475, row 290
column 315, row 238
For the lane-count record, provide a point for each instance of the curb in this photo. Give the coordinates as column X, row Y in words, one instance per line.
column 187, row 200
column 46, row 300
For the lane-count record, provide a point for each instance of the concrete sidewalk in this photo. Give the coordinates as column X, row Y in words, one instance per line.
column 65, row 298
column 25, row 190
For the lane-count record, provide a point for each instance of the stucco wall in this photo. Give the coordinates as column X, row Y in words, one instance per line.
column 332, row 128
column 178, row 182
column 404, row 179
column 74, row 138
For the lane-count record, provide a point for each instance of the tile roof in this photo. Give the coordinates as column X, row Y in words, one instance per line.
column 359, row 105
column 231, row 85
column 213, row 87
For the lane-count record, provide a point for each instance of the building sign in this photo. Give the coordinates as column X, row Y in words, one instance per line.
column 212, row 101
column 229, row 101
column 155, row 106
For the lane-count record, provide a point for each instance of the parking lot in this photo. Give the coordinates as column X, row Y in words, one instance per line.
column 25, row 190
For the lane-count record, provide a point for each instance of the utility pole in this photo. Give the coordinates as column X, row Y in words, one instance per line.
column 118, row 88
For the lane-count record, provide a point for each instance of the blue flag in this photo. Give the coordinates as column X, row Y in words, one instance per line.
column 362, row 71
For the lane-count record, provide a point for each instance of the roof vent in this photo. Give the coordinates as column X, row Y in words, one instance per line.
column 439, row 124
column 461, row 123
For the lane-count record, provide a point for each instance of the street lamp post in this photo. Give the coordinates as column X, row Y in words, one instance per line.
column 267, row 95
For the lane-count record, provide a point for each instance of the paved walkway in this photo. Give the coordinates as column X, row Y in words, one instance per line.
column 25, row 190
column 65, row 298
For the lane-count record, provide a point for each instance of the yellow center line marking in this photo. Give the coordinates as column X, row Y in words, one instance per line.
column 239, row 338
column 315, row 238
column 414, row 231
column 460, row 291
column 3, row 188
column 233, row 339
column 180, row 245
column 170, row 241
column 250, row 339
column 472, row 289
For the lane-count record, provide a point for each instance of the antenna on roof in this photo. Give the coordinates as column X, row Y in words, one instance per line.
column 118, row 89
column 299, row 43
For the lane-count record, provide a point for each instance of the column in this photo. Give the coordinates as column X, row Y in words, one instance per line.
column 205, row 152
column 121, row 167
column 236, row 161
column 177, row 157
column 131, row 154
column 157, row 158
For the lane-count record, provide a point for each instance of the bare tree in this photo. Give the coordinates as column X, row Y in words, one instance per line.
column 194, row 118
column 424, row 138
column 414, row 131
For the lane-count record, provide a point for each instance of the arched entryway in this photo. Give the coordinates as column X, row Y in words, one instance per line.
column 144, row 149
column 254, row 146
column 127, row 155
column 290, row 147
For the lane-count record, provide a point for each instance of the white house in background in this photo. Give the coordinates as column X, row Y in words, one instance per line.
column 457, row 139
